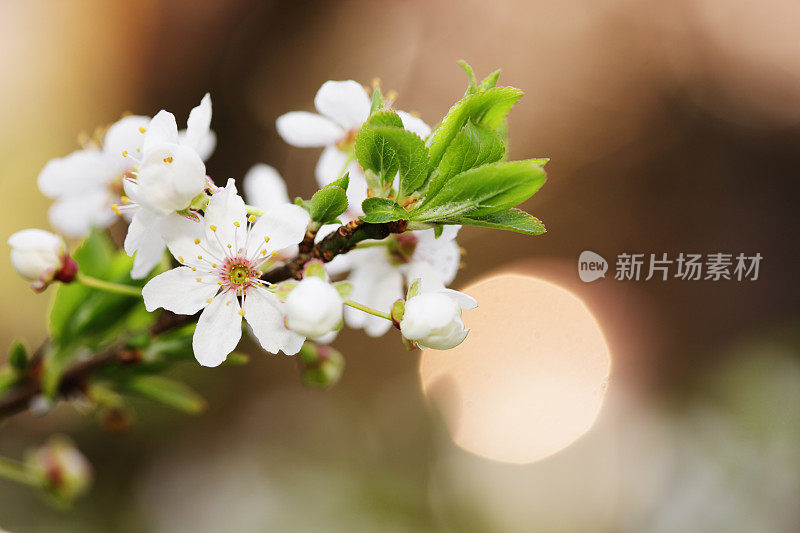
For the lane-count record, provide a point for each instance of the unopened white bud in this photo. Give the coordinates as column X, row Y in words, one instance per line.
column 314, row 308
column 40, row 257
column 433, row 320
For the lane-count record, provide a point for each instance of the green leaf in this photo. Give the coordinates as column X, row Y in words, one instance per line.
column 510, row 219
column 475, row 145
column 315, row 269
column 377, row 101
column 488, row 108
column 378, row 210
column 386, row 117
column 437, row 231
column 18, row 356
column 473, row 83
column 84, row 319
column 412, row 157
column 482, row 191
column 166, row 391
column 327, row 204
column 490, row 81
column 376, row 154
column 342, row 182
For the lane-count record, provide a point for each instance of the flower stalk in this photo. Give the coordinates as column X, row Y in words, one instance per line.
column 107, row 286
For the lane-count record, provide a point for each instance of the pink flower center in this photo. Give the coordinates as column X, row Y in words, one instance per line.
column 238, row 274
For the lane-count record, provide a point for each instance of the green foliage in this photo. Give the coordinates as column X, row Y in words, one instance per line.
column 378, row 210
column 82, row 318
column 320, row 366
column 18, row 356
column 510, row 219
column 482, row 191
column 377, row 101
column 488, row 108
column 327, row 204
column 374, row 152
column 412, row 157
column 165, row 391
column 475, row 145
column 474, row 87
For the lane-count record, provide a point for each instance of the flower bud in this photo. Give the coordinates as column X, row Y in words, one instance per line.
column 41, row 257
column 320, row 366
column 314, row 308
column 66, row 474
column 433, row 320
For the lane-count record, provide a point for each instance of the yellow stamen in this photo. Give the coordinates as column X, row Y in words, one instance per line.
column 142, row 129
column 263, row 252
column 168, row 159
column 266, row 239
column 180, row 259
column 124, row 153
column 198, row 280
column 236, row 224
column 196, row 240
column 241, row 312
column 200, row 257
column 208, row 301
column 213, row 227
column 251, row 218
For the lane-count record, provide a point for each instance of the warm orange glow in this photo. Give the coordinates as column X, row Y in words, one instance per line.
column 531, row 376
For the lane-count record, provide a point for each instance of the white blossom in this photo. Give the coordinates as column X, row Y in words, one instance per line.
column 314, row 308
column 86, row 183
column 223, row 257
column 432, row 319
column 38, row 256
column 378, row 273
column 342, row 107
column 169, row 174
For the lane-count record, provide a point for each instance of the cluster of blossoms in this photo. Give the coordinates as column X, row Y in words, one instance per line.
column 374, row 249
column 154, row 176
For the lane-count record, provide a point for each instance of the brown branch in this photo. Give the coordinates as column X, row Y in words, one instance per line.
column 75, row 378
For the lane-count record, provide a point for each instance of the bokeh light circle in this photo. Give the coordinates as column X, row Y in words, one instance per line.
column 530, row 378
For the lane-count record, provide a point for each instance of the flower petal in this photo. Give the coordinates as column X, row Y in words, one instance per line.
column 198, row 125
column 125, row 136
column 264, row 187
column 304, row 129
column 162, row 129
column 283, row 225
column 376, row 284
column 443, row 254
column 144, row 242
column 218, row 331
column 226, row 218
column 75, row 215
column 178, row 290
column 263, row 312
column 169, row 177
column 465, row 301
column 181, row 235
column 79, row 171
column 414, row 124
column 344, row 102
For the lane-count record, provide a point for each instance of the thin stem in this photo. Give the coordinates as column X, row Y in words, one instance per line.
column 369, row 310
column 372, row 244
column 108, row 286
column 350, row 159
column 16, row 471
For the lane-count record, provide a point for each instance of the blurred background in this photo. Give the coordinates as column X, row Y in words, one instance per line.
column 671, row 127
